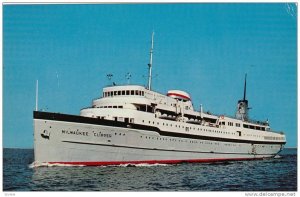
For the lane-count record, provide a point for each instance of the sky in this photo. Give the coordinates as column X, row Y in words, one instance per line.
column 204, row 49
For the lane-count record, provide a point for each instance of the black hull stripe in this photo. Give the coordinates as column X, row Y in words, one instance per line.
column 95, row 121
column 159, row 149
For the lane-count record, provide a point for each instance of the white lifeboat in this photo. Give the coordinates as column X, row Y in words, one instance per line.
column 178, row 94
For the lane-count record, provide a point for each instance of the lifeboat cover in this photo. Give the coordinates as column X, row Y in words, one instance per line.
column 179, row 95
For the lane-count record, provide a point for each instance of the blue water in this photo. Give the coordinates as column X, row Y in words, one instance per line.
column 278, row 174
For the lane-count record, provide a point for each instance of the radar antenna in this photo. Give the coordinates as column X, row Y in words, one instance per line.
column 109, row 76
column 128, row 76
column 150, row 64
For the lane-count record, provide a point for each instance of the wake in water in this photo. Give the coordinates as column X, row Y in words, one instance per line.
column 277, row 157
column 45, row 164
column 142, row 165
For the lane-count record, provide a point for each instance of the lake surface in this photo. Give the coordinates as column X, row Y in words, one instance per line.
column 278, row 174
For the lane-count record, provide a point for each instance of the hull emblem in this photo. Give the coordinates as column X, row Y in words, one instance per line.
column 46, row 134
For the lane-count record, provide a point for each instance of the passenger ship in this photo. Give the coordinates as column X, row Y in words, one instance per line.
column 132, row 124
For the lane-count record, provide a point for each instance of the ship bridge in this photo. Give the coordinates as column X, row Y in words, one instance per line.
column 139, row 98
column 126, row 90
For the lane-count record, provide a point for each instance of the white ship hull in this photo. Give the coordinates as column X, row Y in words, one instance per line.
column 131, row 124
column 62, row 139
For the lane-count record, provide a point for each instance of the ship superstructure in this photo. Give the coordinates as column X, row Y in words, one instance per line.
column 134, row 124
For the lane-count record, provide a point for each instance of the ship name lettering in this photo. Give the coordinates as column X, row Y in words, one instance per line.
column 77, row 132
column 100, row 134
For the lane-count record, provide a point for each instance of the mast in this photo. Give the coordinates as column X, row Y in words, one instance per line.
column 36, row 95
column 150, row 64
column 245, row 86
column 201, row 111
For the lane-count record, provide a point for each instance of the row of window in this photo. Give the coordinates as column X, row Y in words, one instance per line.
column 187, row 129
column 197, row 141
column 123, row 92
column 201, row 142
column 230, row 124
column 257, row 136
column 121, row 119
column 254, row 127
column 187, row 141
column 244, row 125
column 191, row 128
column 273, row 138
column 119, row 106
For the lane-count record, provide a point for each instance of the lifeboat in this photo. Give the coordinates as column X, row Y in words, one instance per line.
column 178, row 94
